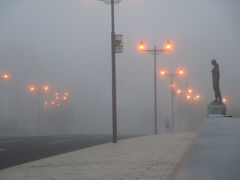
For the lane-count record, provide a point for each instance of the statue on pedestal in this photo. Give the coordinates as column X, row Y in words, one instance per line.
column 215, row 78
column 216, row 106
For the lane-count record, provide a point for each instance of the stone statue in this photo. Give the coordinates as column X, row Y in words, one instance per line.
column 216, row 107
column 215, row 78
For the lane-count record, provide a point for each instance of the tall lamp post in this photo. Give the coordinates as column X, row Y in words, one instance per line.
column 155, row 52
column 172, row 76
column 4, row 76
column 117, row 47
column 39, row 91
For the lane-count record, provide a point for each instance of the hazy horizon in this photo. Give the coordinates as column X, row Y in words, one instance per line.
column 67, row 45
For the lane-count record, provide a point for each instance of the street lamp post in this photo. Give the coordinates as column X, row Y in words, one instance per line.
column 39, row 112
column 172, row 99
column 39, row 91
column 116, row 47
column 155, row 52
column 172, row 76
column 4, row 76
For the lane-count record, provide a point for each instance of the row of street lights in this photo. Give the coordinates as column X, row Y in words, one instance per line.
column 41, row 90
column 188, row 93
column 172, row 75
column 44, row 89
column 155, row 52
column 57, row 100
column 116, row 47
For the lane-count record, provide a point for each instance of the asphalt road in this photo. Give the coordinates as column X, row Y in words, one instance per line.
column 14, row 151
column 216, row 154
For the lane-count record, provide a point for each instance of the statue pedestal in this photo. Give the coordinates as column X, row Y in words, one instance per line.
column 216, row 109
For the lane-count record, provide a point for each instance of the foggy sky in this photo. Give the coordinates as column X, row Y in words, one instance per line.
column 66, row 43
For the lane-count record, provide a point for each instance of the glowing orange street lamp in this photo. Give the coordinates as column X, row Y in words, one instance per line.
column 181, row 71
column 56, row 97
column 224, row 100
column 32, row 88
column 52, row 102
column 56, row 93
column 188, row 97
column 45, row 88
column 190, row 90
column 179, row 91
column 66, row 93
column 168, row 45
column 197, row 97
column 141, row 46
column 162, row 72
column 5, row 76
column 64, row 97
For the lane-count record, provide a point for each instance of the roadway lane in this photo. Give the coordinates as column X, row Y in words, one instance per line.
column 216, row 154
column 14, row 151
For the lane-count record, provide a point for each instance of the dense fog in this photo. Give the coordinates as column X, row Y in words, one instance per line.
column 66, row 44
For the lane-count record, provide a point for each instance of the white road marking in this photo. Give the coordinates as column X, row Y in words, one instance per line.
column 2, row 150
column 60, row 141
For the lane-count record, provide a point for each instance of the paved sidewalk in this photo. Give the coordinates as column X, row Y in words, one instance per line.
column 216, row 153
column 141, row 158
